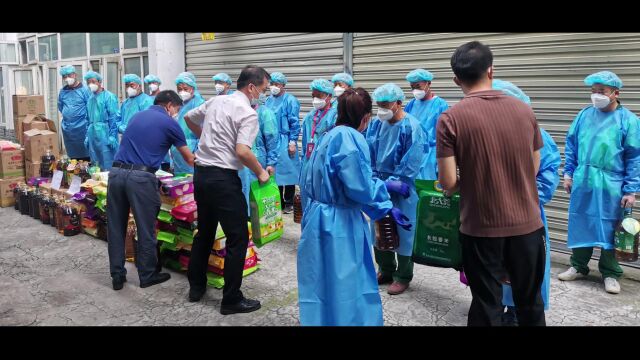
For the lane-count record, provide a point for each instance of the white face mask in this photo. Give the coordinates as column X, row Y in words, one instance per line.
column 385, row 114
column 319, row 103
column 338, row 90
column 219, row 88
column 153, row 87
column 419, row 94
column 70, row 81
column 93, row 87
column 274, row 90
column 600, row 101
column 185, row 95
column 131, row 92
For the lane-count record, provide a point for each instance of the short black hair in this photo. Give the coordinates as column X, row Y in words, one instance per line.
column 353, row 105
column 252, row 74
column 166, row 97
column 470, row 61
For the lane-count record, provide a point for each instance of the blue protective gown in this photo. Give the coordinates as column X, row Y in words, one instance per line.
column 265, row 148
column 336, row 275
column 397, row 153
column 427, row 113
column 325, row 124
column 602, row 154
column 102, row 134
column 287, row 110
column 547, row 181
column 72, row 103
column 131, row 106
column 179, row 165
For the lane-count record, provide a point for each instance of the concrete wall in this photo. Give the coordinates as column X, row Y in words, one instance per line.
column 166, row 57
column 8, row 36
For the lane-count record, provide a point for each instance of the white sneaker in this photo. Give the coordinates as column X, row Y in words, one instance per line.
column 611, row 285
column 569, row 275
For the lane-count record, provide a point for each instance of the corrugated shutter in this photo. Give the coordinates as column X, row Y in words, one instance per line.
column 549, row 67
column 302, row 57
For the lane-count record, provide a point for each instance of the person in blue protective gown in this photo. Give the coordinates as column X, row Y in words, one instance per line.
column 135, row 102
column 547, row 181
column 287, row 110
column 426, row 107
column 602, row 174
column 72, row 103
column 103, row 112
column 336, row 276
column 191, row 98
column 222, row 84
column 397, row 145
column 342, row 82
column 153, row 82
column 265, row 147
column 317, row 122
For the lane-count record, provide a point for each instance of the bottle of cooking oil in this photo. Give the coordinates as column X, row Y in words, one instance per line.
column 626, row 237
column 387, row 238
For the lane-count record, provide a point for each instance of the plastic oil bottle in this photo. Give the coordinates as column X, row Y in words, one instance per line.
column 387, row 238
column 626, row 238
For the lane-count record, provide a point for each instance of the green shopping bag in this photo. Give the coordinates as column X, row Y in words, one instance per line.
column 266, row 212
column 436, row 241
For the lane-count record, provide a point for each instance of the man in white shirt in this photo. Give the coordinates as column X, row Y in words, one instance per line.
column 227, row 127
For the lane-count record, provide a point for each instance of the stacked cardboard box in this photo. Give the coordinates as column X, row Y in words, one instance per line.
column 11, row 171
column 24, row 105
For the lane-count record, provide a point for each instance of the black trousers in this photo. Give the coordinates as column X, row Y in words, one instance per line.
column 488, row 261
column 286, row 194
column 137, row 190
column 218, row 194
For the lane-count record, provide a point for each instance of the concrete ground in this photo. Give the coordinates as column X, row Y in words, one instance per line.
column 49, row 279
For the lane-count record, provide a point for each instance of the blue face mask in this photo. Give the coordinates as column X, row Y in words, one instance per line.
column 262, row 99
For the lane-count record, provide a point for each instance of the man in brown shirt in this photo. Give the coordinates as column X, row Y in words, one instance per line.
column 494, row 141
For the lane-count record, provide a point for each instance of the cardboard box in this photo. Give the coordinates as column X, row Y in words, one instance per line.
column 11, row 164
column 29, row 122
column 17, row 126
column 6, row 191
column 37, row 142
column 32, row 121
column 28, row 104
column 31, row 169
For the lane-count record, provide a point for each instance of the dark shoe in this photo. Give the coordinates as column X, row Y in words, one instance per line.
column 288, row 209
column 157, row 278
column 244, row 306
column 397, row 288
column 509, row 317
column 118, row 282
column 384, row 279
column 196, row 295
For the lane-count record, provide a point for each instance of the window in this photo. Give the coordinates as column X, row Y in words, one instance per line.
column 73, row 45
column 130, row 40
column 145, row 71
column 3, row 115
column 52, row 94
column 23, row 52
column 24, row 82
column 48, row 48
column 144, row 40
column 132, row 66
column 113, row 80
column 95, row 65
column 8, row 53
column 31, row 51
column 104, row 43
column 79, row 74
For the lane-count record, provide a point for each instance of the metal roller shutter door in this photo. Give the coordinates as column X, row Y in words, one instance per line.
column 549, row 67
column 302, row 57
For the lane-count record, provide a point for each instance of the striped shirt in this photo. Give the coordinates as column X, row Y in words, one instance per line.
column 493, row 137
